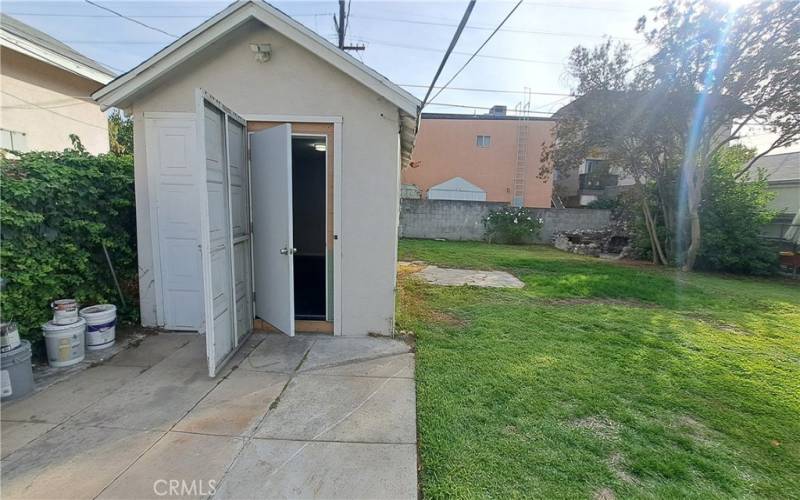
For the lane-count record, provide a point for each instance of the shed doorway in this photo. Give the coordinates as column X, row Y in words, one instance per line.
column 312, row 224
column 308, row 209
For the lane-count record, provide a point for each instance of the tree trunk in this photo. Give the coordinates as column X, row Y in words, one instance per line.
column 694, row 190
column 694, row 246
column 658, row 253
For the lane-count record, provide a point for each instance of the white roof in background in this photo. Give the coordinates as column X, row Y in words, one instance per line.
column 457, row 184
column 233, row 16
column 20, row 37
column 780, row 167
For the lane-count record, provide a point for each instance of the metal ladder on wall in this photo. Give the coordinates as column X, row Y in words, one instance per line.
column 522, row 110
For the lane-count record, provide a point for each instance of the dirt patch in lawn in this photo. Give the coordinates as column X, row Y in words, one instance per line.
column 601, row 426
column 604, row 494
column 616, row 462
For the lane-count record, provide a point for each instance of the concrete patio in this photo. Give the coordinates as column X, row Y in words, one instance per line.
column 306, row 417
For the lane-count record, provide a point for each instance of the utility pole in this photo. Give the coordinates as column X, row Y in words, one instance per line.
column 341, row 27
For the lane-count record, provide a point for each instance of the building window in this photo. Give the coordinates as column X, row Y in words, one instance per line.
column 13, row 141
column 483, row 141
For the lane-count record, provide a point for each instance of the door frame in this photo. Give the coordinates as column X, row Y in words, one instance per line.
column 336, row 121
column 151, row 118
column 201, row 97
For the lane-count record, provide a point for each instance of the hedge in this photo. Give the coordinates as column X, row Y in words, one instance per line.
column 58, row 210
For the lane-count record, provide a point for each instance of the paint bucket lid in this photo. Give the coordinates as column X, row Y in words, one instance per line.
column 98, row 309
column 64, row 304
column 52, row 327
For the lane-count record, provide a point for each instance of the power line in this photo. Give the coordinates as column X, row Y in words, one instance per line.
column 51, row 111
column 141, row 16
column 450, row 48
column 466, row 106
column 90, row 2
column 489, row 28
column 476, row 52
column 494, row 91
column 456, row 52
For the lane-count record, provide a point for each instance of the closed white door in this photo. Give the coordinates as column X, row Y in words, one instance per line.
column 273, row 262
column 175, row 221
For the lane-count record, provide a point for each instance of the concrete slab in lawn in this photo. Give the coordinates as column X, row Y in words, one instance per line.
column 329, row 352
column 196, row 460
column 293, row 469
column 278, row 353
column 151, row 350
column 66, row 398
column 359, row 409
column 457, row 277
column 71, row 462
column 15, row 435
column 236, row 405
column 158, row 398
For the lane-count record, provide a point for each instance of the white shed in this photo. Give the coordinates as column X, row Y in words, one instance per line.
column 267, row 166
column 456, row 188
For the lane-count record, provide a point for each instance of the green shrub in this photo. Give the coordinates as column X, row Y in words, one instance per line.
column 732, row 215
column 57, row 210
column 512, row 225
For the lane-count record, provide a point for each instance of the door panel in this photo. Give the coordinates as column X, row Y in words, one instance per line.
column 240, row 220
column 271, row 177
column 219, row 250
column 171, row 146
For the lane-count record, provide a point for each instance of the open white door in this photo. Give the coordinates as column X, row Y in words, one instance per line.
column 271, row 174
column 219, row 161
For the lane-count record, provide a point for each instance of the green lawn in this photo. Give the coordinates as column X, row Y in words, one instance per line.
column 601, row 379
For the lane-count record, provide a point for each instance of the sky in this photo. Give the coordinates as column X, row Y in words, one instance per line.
column 405, row 40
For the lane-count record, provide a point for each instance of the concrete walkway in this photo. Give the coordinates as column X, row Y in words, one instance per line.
column 303, row 417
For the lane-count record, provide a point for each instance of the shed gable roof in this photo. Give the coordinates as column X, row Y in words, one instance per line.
column 457, row 184
column 124, row 87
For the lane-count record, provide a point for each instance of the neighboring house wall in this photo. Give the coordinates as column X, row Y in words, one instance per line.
column 463, row 220
column 297, row 82
column 47, row 104
column 447, row 148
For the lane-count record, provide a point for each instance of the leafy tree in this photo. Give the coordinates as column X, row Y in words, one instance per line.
column 742, row 64
column 120, row 133
column 714, row 71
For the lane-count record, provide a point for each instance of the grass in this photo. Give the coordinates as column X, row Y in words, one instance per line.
column 601, row 379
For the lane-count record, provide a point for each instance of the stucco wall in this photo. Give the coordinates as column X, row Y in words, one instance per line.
column 463, row 220
column 47, row 104
column 296, row 82
column 447, row 148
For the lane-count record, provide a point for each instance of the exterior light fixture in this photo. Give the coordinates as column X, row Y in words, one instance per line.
column 263, row 51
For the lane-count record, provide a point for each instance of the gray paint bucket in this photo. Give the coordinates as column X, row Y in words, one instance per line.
column 101, row 322
column 65, row 343
column 16, row 374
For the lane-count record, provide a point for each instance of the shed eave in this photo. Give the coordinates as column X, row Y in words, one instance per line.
column 119, row 91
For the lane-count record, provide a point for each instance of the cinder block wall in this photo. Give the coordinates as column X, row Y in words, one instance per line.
column 463, row 220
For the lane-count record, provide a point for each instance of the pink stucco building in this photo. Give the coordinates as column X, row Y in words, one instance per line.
column 474, row 157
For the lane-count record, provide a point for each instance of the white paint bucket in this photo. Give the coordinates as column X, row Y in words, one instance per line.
column 64, row 343
column 65, row 311
column 101, row 322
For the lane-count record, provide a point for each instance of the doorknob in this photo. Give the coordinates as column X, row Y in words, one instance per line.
column 286, row 251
